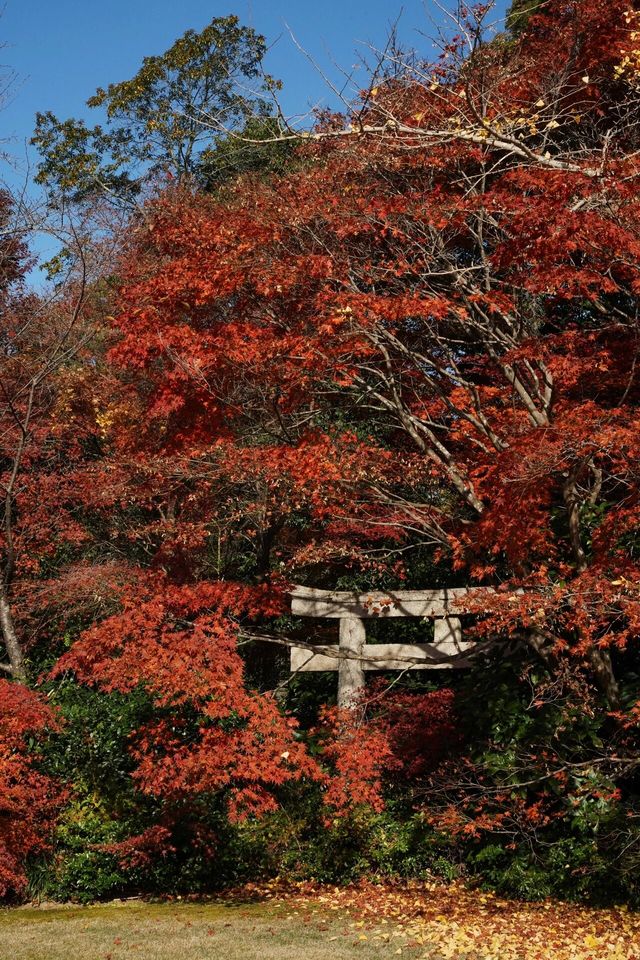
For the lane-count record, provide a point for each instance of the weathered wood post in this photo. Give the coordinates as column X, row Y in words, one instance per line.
column 351, row 682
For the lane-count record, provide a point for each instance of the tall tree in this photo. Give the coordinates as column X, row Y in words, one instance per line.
column 163, row 119
column 422, row 343
column 395, row 352
column 41, row 335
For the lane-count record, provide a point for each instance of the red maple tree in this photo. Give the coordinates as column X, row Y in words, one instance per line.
column 29, row 800
column 440, row 347
column 426, row 337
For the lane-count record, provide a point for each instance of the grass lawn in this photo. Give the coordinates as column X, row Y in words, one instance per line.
column 190, row 932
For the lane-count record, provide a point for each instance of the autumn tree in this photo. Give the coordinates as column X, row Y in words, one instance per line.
column 48, row 341
column 414, row 350
column 29, row 800
column 438, row 352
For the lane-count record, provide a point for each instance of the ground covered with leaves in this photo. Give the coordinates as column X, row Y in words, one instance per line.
column 451, row 921
column 429, row 921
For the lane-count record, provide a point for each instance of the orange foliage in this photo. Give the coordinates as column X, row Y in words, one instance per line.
column 29, row 800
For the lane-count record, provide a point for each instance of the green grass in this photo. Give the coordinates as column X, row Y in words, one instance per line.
column 194, row 931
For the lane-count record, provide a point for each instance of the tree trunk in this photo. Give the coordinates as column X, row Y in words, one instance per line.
column 604, row 675
column 10, row 638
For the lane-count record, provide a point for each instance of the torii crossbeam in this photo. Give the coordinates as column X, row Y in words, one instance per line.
column 353, row 655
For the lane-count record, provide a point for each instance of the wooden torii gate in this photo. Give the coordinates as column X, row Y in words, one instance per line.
column 353, row 655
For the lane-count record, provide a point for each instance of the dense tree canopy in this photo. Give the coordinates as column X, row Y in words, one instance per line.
column 400, row 350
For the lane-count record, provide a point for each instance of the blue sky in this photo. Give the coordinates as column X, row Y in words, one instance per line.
column 62, row 50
